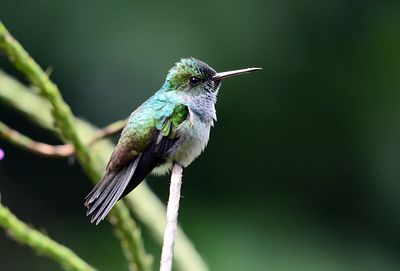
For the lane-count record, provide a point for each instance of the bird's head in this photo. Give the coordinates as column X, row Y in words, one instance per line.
column 196, row 77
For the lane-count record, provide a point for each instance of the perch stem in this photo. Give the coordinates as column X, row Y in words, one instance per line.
column 172, row 218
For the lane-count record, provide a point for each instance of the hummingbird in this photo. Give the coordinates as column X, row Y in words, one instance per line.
column 172, row 126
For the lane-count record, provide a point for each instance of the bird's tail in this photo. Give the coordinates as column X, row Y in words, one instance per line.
column 109, row 190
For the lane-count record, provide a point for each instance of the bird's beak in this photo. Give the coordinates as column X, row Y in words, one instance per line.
column 222, row 75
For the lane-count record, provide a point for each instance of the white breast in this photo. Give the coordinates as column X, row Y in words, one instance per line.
column 196, row 134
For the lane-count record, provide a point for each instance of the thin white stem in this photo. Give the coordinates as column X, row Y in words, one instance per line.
column 172, row 218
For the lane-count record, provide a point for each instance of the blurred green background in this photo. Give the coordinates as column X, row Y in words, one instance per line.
column 303, row 167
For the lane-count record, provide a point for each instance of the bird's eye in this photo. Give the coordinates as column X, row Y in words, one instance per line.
column 194, row 81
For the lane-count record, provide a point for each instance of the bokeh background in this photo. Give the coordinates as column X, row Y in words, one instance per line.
column 303, row 168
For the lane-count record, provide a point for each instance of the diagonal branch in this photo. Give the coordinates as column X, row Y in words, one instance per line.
column 108, row 130
column 65, row 122
column 45, row 149
column 41, row 243
column 39, row 148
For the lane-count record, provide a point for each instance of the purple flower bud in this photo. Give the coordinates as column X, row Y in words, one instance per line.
column 1, row 154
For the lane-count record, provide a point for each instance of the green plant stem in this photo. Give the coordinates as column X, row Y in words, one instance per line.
column 129, row 242
column 142, row 201
column 41, row 243
column 65, row 122
column 61, row 111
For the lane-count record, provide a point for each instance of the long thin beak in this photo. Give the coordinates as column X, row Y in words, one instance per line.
column 223, row 75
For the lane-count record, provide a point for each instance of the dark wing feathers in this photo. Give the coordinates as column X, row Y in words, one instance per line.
column 108, row 191
column 154, row 155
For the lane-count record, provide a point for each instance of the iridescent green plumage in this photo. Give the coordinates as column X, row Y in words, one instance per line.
column 155, row 115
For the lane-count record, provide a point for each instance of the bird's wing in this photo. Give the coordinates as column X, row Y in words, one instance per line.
column 144, row 144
